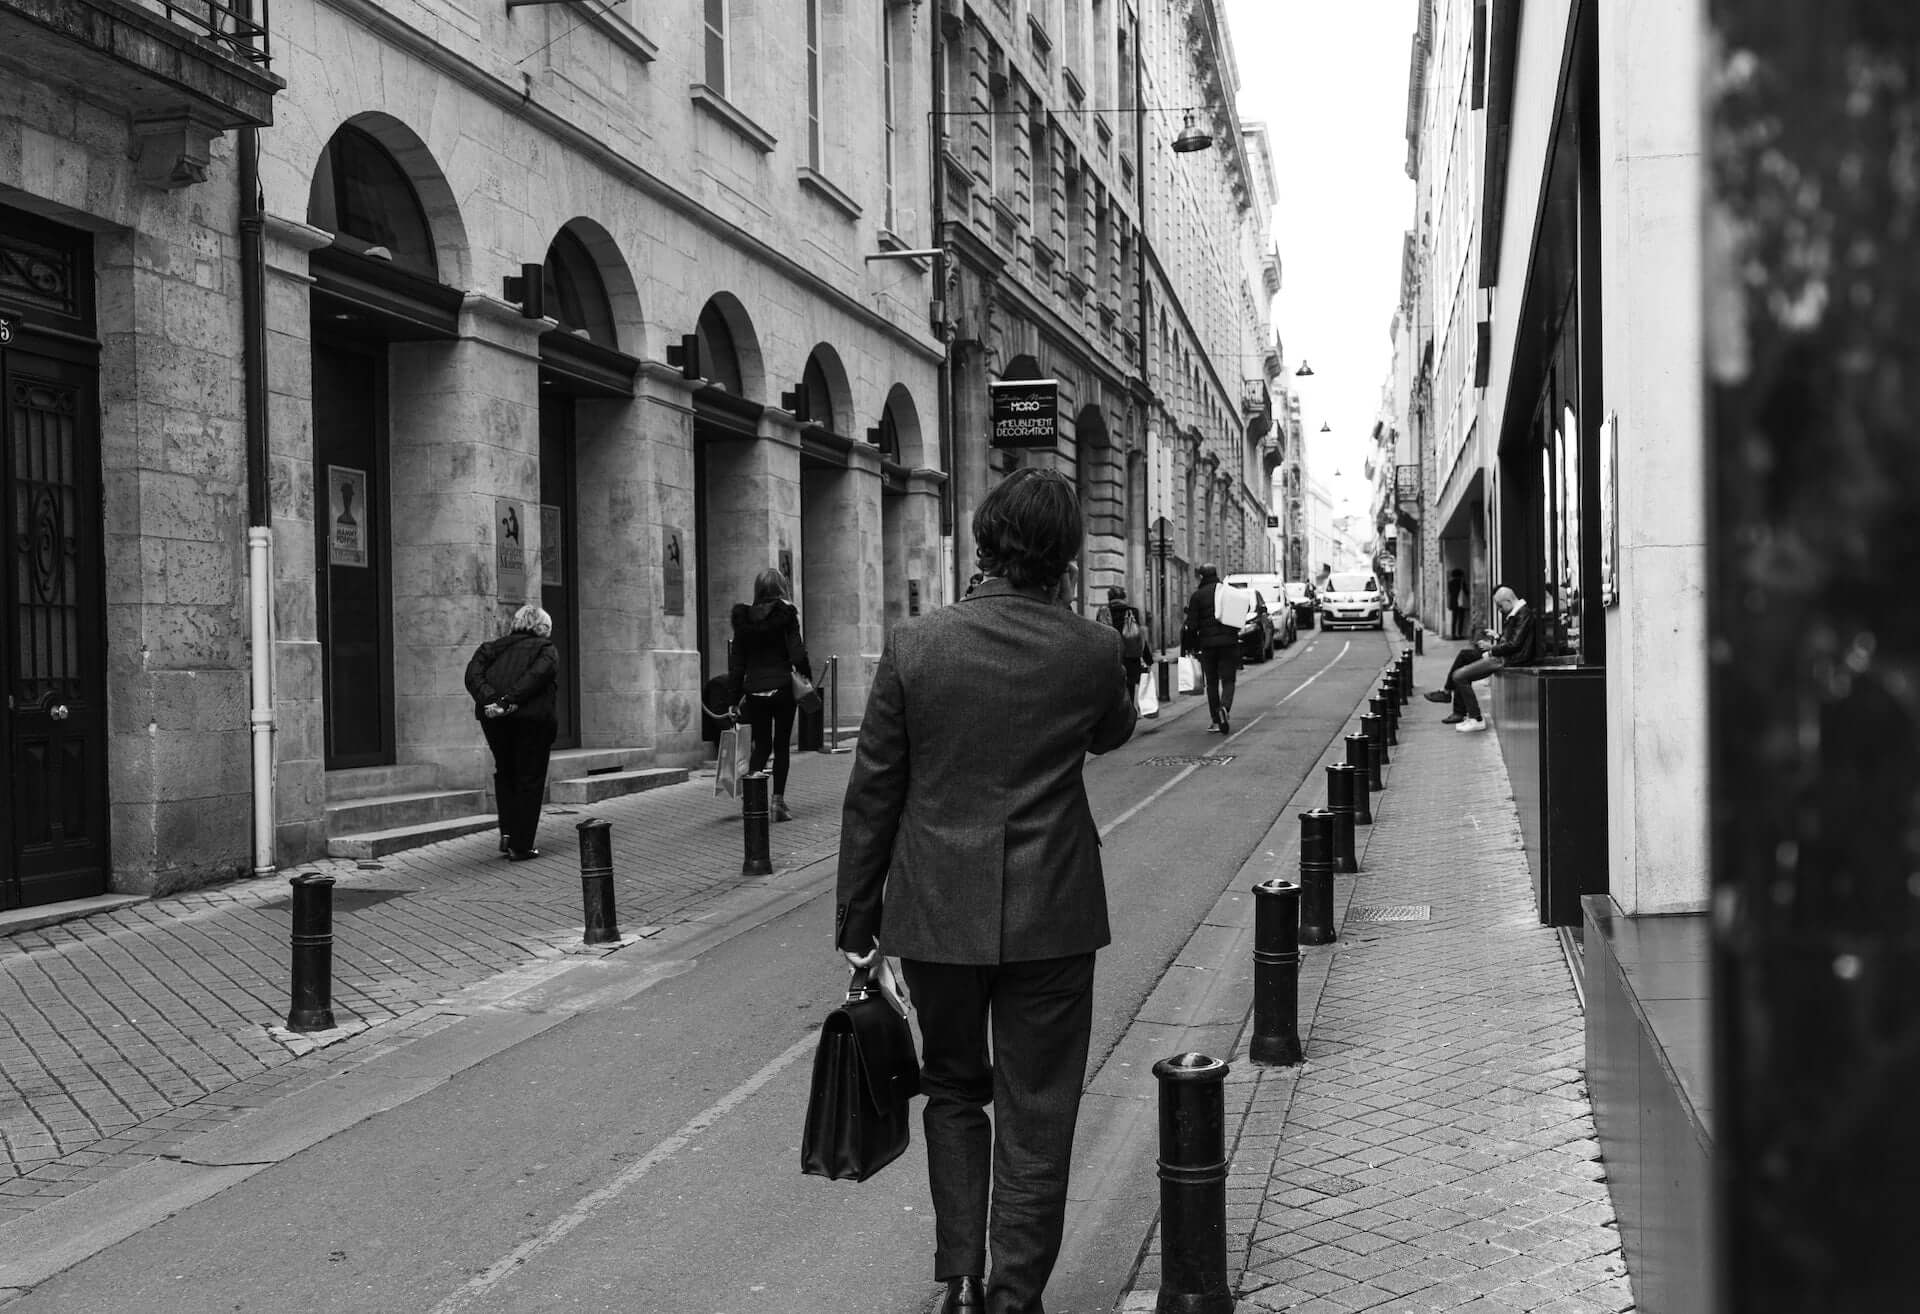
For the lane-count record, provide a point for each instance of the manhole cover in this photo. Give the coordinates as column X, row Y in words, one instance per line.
column 350, row 899
column 1393, row 912
column 1183, row 760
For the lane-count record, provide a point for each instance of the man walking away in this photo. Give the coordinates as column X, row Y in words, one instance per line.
column 968, row 849
column 1513, row 646
column 1456, row 603
column 1214, row 638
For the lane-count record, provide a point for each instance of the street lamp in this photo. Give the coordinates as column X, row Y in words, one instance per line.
column 1325, row 427
column 1305, row 371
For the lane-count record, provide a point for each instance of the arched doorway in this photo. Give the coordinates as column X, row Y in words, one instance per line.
column 586, row 387
column 839, row 529
column 731, row 495
column 1103, row 506
column 909, row 542
column 376, row 284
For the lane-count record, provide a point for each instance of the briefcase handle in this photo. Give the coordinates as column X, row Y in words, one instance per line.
column 860, row 985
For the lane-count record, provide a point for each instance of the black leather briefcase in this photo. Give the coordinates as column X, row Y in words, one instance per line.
column 864, row 1074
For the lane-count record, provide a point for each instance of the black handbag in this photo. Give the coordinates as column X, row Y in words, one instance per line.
column 864, row 1074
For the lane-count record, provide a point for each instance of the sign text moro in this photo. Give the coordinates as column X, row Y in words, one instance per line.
column 1026, row 412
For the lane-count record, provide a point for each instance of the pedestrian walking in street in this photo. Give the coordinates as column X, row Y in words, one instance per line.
column 513, row 681
column 1514, row 645
column 1132, row 628
column 767, row 653
column 1456, row 603
column 967, row 849
column 1215, row 613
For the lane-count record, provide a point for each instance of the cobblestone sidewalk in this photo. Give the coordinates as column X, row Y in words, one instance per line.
column 1436, row 1150
column 122, row 1034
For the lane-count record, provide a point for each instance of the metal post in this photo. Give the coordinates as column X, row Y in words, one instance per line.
column 1276, row 973
column 312, row 1005
column 1375, row 728
column 1316, row 876
column 1406, row 667
column 1390, row 711
column 754, row 795
column 1343, row 782
column 833, row 703
column 1193, row 1186
column 1377, row 708
column 1360, row 757
column 596, row 881
column 1163, row 673
column 1419, row 643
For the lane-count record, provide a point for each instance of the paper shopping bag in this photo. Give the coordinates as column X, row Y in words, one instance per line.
column 726, row 776
column 1147, row 697
column 1190, row 675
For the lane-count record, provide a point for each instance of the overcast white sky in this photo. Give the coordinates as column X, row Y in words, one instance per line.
column 1329, row 79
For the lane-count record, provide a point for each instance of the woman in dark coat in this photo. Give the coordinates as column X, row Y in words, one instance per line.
column 767, row 649
column 1118, row 611
column 513, row 680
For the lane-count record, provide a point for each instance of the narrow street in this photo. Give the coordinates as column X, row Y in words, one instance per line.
column 643, row 1155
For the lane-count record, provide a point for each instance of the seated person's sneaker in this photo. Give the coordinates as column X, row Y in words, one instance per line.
column 1470, row 725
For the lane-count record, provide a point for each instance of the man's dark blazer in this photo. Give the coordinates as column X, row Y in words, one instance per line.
column 966, row 836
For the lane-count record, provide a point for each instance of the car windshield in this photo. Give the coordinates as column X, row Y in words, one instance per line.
column 1354, row 583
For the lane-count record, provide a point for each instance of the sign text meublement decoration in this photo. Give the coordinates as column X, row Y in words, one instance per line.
column 1026, row 412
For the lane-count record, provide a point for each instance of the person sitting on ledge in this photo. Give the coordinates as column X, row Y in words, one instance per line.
column 1512, row 646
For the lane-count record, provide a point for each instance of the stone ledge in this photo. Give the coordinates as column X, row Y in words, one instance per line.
column 728, row 115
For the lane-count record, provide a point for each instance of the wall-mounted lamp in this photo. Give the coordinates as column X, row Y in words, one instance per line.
column 794, row 402
column 684, row 356
column 527, row 290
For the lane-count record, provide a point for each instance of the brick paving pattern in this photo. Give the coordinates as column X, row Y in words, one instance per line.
column 1436, row 1151
column 124, row 1033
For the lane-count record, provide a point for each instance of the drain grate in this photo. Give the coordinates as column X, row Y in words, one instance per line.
column 1185, row 759
column 1393, row 912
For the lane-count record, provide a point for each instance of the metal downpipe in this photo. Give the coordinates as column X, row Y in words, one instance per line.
column 253, row 335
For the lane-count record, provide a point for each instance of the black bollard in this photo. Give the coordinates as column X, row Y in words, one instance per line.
column 1419, row 640
column 312, row 1008
column 753, row 815
column 1276, row 973
column 1378, row 706
column 1375, row 728
column 1342, row 782
column 1406, row 676
column 1193, row 1186
column 1316, row 876
column 1360, row 758
column 596, row 881
column 1390, row 708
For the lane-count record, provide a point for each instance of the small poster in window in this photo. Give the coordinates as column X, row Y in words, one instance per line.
column 348, row 516
column 552, row 559
column 509, row 550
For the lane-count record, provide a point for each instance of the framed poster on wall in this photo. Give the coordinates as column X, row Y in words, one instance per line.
column 347, row 516
column 1610, row 510
column 509, row 550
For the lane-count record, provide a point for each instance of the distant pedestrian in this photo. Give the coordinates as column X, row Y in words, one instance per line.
column 1456, row 603
column 1514, row 645
column 1216, row 642
column 513, row 681
column 967, row 848
column 767, row 652
column 1132, row 628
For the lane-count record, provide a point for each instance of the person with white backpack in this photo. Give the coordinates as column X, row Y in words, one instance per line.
column 1215, row 614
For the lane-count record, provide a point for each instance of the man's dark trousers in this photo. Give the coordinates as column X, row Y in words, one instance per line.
column 521, row 750
column 1041, row 1016
column 1220, row 668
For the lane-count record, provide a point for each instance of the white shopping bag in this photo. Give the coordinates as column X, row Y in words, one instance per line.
column 1147, row 697
column 1190, row 682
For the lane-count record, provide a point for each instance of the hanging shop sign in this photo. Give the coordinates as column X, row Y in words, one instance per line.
column 1026, row 412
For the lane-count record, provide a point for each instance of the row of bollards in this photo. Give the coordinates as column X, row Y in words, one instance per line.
column 311, row 989
column 1193, row 1159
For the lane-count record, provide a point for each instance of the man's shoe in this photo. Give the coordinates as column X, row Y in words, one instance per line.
column 1438, row 696
column 965, row 1295
column 522, row 855
column 1455, row 719
column 1225, row 727
column 1469, row 725
column 1214, row 729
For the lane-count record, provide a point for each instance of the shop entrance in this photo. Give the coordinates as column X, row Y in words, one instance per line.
column 53, row 834
column 559, row 418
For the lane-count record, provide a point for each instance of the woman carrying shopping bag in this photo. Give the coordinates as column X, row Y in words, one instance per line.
column 767, row 653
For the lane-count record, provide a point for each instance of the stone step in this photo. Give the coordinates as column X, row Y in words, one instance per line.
column 612, row 784
column 380, row 843
column 387, row 811
column 374, row 781
column 572, row 763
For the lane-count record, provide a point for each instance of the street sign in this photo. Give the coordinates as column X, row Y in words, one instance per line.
column 1406, row 485
column 1026, row 412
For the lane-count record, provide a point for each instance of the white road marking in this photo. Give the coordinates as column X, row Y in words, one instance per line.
column 592, row 1203
column 1142, row 805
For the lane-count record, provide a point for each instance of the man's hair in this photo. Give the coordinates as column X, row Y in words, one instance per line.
column 1209, row 571
column 1028, row 529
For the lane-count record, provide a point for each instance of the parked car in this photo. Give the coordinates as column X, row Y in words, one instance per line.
column 1256, row 635
column 1268, row 588
column 1353, row 598
column 1302, row 600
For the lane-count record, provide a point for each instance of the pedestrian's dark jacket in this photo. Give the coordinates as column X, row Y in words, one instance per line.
column 1116, row 616
column 766, row 647
column 966, row 836
column 1202, row 629
column 520, row 669
column 1518, row 644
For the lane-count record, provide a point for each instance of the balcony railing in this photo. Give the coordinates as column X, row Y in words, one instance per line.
column 238, row 26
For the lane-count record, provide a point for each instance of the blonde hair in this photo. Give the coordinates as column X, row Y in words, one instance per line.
column 533, row 620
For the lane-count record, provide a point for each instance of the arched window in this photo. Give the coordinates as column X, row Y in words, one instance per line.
column 363, row 198
column 889, row 435
column 575, row 294
column 719, row 360
column 819, row 397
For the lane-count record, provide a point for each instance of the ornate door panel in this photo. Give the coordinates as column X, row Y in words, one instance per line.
column 54, row 841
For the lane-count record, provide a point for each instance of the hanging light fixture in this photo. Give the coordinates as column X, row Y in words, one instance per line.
column 1325, row 427
column 1305, row 371
column 1192, row 138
